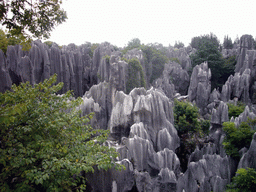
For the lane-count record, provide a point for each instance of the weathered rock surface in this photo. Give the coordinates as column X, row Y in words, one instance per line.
column 245, row 45
column 200, row 86
column 142, row 125
column 241, row 84
column 173, row 74
column 72, row 65
column 182, row 55
column 226, row 53
column 211, row 173
column 243, row 116
column 248, row 159
column 219, row 113
column 112, row 179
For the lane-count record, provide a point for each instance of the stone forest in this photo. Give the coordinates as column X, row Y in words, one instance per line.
column 180, row 118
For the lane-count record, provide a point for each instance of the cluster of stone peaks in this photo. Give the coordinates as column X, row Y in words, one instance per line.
column 141, row 122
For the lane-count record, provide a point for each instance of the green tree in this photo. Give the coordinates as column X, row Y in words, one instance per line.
column 3, row 41
column 236, row 138
column 37, row 17
column 228, row 68
column 208, row 51
column 185, row 117
column 135, row 75
column 155, row 60
column 235, row 110
column 134, row 43
column 178, row 45
column 227, row 43
column 198, row 41
column 244, row 181
column 190, row 129
column 45, row 142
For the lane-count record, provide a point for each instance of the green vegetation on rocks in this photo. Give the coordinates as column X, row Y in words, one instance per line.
column 235, row 110
column 46, row 144
column 237, row 138
column 245, row 180
column 135, row 75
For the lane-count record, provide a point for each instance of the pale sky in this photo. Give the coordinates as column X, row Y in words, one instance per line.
column 161, row 21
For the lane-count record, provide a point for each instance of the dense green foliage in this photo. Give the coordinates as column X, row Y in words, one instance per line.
column 236, row 138
column 178, row 45
column 227, row 43
column 244, row 181
column 45, row 143
column 3, row 41
column 228, row 68
column 235, row 110
column 208, row 51
column 197, row 42
column 36, row 17
column 155, row 59
column 186, row 117
column 135, row 75
column 134, row 43
column 7, row 39
column 190, row 129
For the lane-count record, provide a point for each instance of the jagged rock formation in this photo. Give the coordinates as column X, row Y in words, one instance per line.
column 200, row 86
column 142, row 124
column 243, row 116
column 226, row 53
column 237, row 86
column 211, row 173
column 241, row 84
column 219, row 113
column 71, row 64
column 173, row 75
column 182, row 55
column 112, row 179
column 248, row 159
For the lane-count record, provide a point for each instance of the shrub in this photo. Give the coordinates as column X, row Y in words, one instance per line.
column 227, row 43
column 135, row 75
column 3, row 41
column 45, row 142
column 178, row 45
column 155, row 59
column 189, row 129
column 236, row 138
column 245, row 180
column 185, row 117
column 235, row 110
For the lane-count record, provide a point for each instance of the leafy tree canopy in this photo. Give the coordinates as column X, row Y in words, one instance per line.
column 45, row 142
column 7, row 39
column 38, row 17
column 190, row 129
column 237, row 138
column 135, row 75
column 178, row 45
column 208, row 51
column 235, row 110
column 196, row 42
column 227, row 43
column 245, row 180
column 134, row 43
column 155, row 60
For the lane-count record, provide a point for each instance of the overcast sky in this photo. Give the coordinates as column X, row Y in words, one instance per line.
column 161, row 21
